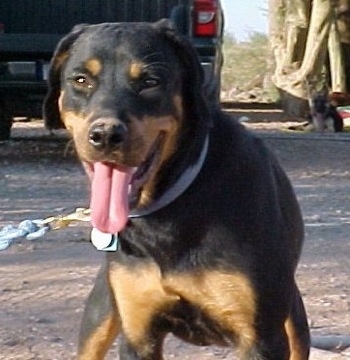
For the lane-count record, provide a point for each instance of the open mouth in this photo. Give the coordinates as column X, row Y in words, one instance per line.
column 115, row 188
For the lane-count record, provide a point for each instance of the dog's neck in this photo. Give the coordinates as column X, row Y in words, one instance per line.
column 177, row 189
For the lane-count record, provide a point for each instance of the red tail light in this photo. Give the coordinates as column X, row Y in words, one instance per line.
column 204, row 17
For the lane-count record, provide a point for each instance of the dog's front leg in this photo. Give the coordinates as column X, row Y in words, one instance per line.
column 100, row 324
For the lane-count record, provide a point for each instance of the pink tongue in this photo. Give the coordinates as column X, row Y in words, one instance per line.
column 109, row 198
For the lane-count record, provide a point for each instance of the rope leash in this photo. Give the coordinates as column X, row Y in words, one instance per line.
column 34, row 229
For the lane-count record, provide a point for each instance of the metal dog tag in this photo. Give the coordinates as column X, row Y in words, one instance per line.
column 103, row 241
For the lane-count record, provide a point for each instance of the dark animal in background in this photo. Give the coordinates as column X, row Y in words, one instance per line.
column 324, row 115
column 210, row 231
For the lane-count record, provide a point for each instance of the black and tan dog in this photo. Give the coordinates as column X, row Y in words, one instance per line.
column 210, row 231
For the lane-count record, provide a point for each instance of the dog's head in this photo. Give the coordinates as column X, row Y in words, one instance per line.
column 131, row 97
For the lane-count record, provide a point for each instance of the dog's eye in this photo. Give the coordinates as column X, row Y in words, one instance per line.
column 82, row 82
column 149, row 86
column 150, row 82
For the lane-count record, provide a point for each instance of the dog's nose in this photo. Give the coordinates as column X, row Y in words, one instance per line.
column 104, row 135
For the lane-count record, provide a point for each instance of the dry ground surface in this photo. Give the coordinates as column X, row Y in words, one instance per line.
column 43, row 284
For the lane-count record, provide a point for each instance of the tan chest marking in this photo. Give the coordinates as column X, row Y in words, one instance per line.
column 142, row 293
column 140, row 296
column 228, row 299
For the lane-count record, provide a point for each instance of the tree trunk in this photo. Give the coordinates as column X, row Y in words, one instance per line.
column 336, row 60
column 293, row 80
column 297, row 23
column 343, row 26
column 317, row 41
column 299, row 36
column 277, row 9
column 288, row 24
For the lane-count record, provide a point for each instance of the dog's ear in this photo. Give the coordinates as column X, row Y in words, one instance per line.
column 51, row 112
column 193, row 75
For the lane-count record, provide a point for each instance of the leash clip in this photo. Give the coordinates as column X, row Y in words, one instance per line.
column 62, row 221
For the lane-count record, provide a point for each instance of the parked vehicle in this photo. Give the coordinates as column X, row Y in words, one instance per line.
column 30, row 30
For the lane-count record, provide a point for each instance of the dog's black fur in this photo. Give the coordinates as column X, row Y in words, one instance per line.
column 217, row 264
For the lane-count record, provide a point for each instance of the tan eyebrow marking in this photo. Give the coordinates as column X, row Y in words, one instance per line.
column 135, row 69
column 94, row 66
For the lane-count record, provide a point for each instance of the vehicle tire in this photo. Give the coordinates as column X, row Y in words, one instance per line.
column 5, row 124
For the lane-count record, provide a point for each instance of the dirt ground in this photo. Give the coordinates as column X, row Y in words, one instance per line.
column 44, row 283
